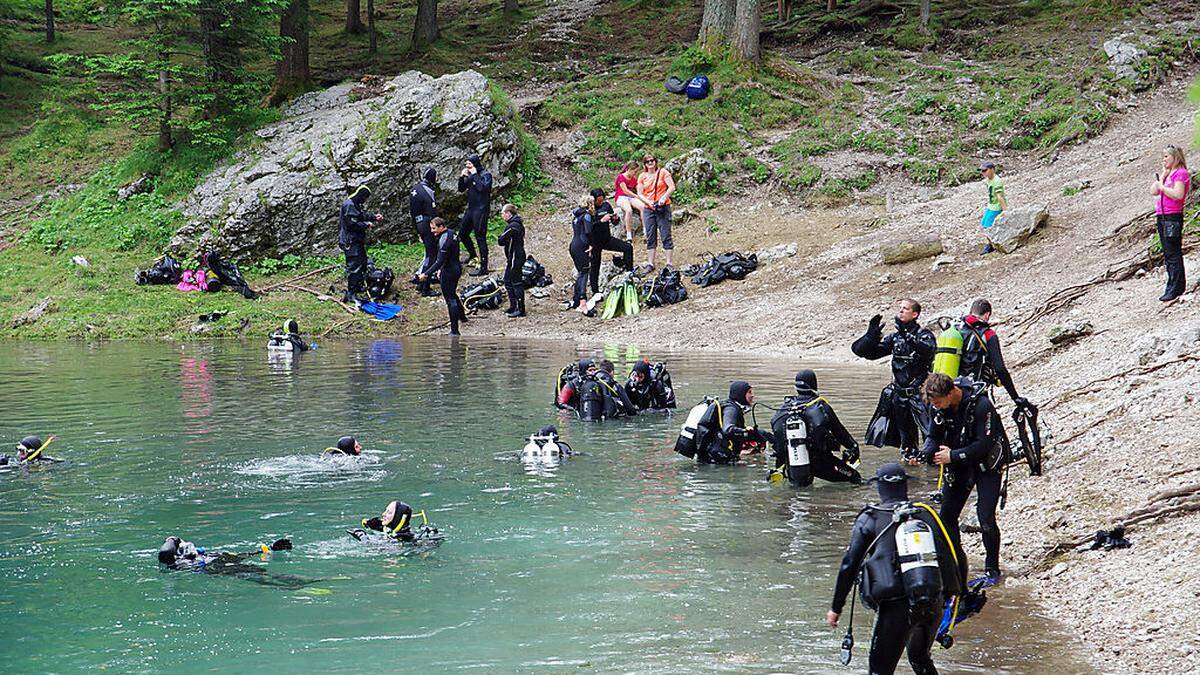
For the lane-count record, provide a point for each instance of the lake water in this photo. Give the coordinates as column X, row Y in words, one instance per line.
column 628, row 558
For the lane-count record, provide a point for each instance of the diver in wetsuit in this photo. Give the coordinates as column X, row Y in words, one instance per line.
column 422, row 204
column 649, row 387
column 908, row 604
column 621, row 405
column 30, row 451
column 732, row 438
column 449, row 271
column 583, row 221
column 806, row 432
column 513, row 241
column 352, row 239
column 476, row 181
column 966, row 439
column 346, row 445
column 912, row 348
column 982, row 360
column 289, row 334
column 179, row 555
column 602, row 240
column 395, row 524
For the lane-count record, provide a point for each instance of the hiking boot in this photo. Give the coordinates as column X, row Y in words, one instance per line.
column 514, row 314
column 1167, row 297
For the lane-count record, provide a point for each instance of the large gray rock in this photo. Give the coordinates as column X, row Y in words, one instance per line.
column 283, row 194
column 692, row 169
column 914, row 249
column 1015, row 226
column 1124, row 57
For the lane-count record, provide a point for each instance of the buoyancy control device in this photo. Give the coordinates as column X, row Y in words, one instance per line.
column 694, row 431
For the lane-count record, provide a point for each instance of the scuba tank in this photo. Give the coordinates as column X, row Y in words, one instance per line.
column 796, row 432
column 917, row 555
column 591, row 401
column 949, row 352
column 542, row 449
column 688, row 442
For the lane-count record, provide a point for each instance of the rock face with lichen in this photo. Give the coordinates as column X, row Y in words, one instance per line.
column 282, row 195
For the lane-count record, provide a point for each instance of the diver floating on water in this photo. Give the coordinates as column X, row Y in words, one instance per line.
column 805, row 434
column 912, row 348
column 184, row 556
column 545, row 447
column 905, row 564
column 31, row 451
column 649, row 387
column 715, row 431
column 287, row 339
column 591, row 392
column 346, row 446
column 394, row 525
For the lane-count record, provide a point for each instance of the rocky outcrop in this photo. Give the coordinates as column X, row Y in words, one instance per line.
column 908, row 251
column 282, row 195
column 693, row 170
column 1015, row 226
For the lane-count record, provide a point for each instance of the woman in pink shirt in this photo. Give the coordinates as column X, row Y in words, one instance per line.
column 1170, row 191
column 625, row 191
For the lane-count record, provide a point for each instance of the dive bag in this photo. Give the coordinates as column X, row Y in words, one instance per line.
column 665, row 289
column 487, row 294
column 228, row 273
column 949, row 352
column 533, row 274
column 166, row 271
column 698, row 87
column 694, row 432
column 731, row 265
column 379, row 281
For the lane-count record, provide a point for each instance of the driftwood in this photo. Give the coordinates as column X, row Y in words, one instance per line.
column 1140, row 370
column 324, row 298
column 338, row 326
column 1066, row 296
column 297, row 278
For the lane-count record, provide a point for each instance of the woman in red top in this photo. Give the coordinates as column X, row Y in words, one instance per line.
column 625, row 192
column 1170, row 191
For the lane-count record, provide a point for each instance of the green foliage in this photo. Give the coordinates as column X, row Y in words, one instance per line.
column 759, row 172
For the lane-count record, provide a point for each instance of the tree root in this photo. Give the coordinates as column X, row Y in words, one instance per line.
column 1140, row 370
column 324, row 298
column 1066, row 296
column 338, row 326
column 293, row 280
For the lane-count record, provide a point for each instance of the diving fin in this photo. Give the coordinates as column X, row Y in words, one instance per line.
column 380, row 311
column 632, row 306
column 877, row 432
column 610, row 304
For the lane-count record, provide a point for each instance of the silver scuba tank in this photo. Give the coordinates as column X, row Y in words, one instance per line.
column 541, row 450
column 917, row 551
column 686, row 443
column 797, row 441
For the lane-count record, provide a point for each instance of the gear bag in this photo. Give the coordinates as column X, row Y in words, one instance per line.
column 665, row 289
column 731, row 265
column 486, row 294
column 698, row 87
column 228, row 273
column 166, row 271
column 533, row 274
column 379, row 281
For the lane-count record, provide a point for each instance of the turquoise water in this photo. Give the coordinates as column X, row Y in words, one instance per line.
column 627, row 558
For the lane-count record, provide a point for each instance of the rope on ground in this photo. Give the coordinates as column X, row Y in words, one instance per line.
column 298, row 278
column 1088, row 387
column 324, row 298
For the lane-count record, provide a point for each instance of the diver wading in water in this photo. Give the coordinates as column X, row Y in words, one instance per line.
column 395, row 525
column 904, row 562
column 346, row 445
column 805, row 434
column 184, row 556
column 649, row 387
column 912, row 348
column 716, row 432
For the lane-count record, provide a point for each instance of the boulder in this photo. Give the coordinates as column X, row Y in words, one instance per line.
column 282, row 195
column 692, row 169
column 33, row 313
column 914, row 249
column 778, row 252
column 1124, row 57
column 1015, row 226
column 1060, row 335
column 140, row 186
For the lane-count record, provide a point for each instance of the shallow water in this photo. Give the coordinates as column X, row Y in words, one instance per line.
column 626, row 558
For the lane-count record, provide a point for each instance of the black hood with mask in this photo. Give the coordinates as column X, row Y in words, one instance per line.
column 346, row 444
column 430, row 177
column 806, row 382
column 892, row 483
column 643, row 368
column 398, row 513
column 360, row 195
column 31, row 443
column 169, row 551
column 738, row 391
column 476, row 162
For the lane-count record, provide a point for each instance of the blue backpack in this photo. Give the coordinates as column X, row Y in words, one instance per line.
column 697, row 87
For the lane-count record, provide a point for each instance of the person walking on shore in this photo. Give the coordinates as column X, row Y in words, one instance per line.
column 1170, row 190
column 449, row 271
column 996, row 204
column 513, row 241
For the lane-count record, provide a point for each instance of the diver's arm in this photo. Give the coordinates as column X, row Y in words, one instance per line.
column 734, row 421
column 1002, row 374
column 464, row 182
column 872, row 345
column 851, row 562
column 985, row 436
column 443, row 254
column 505, row 236
column 840, row 433
column 925, row 344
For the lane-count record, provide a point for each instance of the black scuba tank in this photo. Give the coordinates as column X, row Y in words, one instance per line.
column 591, row 401
column 916, row 551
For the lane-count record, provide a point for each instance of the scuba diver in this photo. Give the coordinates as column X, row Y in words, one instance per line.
column 346, row 445
column 805, row 433
column 545, row 447
column 287, row 338
column 513, row 241
column 476, row 181
column 449, row 271
column 30, row 451
column 395, row 525
column 591, row 393
column 179, row 555
column 729, row 438
column 602, row 240
column 649, row 387
column 981, row 357
column 607, row 375
column 911, row 347
column 353, row 222
column 422, row 204
column 966, row 439
column 904, row 563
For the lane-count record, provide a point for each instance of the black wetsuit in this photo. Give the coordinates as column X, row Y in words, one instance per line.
column 825, row 434
column 449, row 269
column 911, row 348
column 726, row 445
column 478, row 187
column 975, row 435
column 652, row 394
column 622, row 406
column 228, row 564
column 582, row 224
column 352, row 239
column 423, row 206
column 982, row 360
column 898, row 624
column 602, row 240
column 513, row 241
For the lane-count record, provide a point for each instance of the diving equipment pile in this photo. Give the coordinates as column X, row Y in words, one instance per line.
column 665, row 289
column 591, row 393
column 166, row 271
column 534, row 275
column 487, row 294
column 732, row 265
column 379, row 281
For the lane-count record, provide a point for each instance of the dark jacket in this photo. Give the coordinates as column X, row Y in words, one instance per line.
column 826, row 433
column 981, row 357
column 352, row 223
column 422, row 202
column 623, row 406
column 513, row 241
column 973, row 432
column 651, row 394
column 911, row 348
column 871, row 522
column 725, row 446
column 601, row 231
column 447, row 262
column 478, row 187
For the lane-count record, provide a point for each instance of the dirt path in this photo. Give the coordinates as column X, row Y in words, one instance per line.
column 1118, row 444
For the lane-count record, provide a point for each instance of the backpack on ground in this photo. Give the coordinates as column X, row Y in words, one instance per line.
column 379, row 281
column 166, row 271
column 675, row 85
column 487, row 294
column 665, row 289
column 698, row 87
column 533, row 274
column 228, row 273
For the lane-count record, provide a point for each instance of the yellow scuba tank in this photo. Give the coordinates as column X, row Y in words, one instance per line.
column 949, row 352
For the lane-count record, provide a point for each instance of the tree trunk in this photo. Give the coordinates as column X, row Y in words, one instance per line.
column 425, row 32
column 49, row 20
column 746, row 29
column 716, row 26
column 830, row 5
column 510, row 6
column 353, row 21
column 292, row 73
column 925, row 16
column 371, row 26
column 165, row 141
